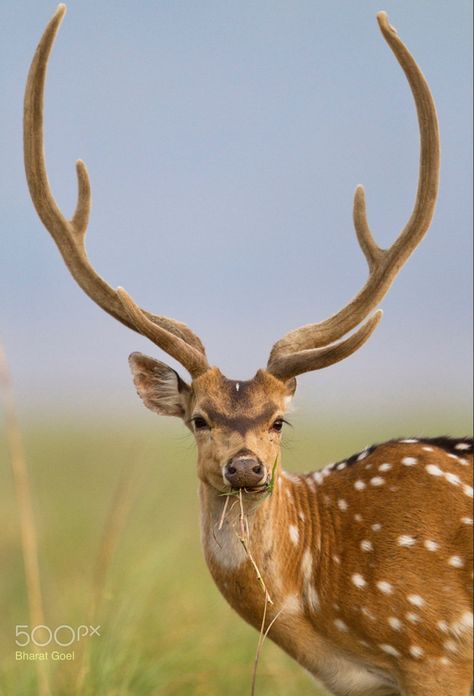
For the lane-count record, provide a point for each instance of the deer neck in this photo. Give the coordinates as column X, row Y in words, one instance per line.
column 277, row 532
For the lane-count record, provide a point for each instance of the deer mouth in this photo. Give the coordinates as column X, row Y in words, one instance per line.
column 261, row 489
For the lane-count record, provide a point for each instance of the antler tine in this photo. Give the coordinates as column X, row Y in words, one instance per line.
column 293, row 364
column 69, row 235
column 384, row 264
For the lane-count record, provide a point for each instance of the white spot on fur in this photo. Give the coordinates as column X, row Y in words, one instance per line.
column 366, row 545
column 434, row 470
column 464, row 625
column 468, row 490
column 237, row 386
column 466, row 520
column 452, row 478
column 341, row 466
column 376, row 527
column 359, row 485
column 395, row 623
column 386, row 466
column 342, row 504
column 406, row 540
column 339, row 624
column 377, row 481
column 313, row 598
column 462, row 446
column 292, row 604
column 307, row 564
column 301, row 516
column 451, row 646
column 362, row 455
column 336, row 559
column 366, row 612
column 412, row 617
column 416, row 600
column 384, row 587
column 444, row 660
column 431, row 545
column 409, row 461
column 416, row 651
column 358, row 580
column 456, row 562
column 443, row 626
column 389, row 649
column 358, row 517
column 410, row 441
column 428, row 449
column 294, row 534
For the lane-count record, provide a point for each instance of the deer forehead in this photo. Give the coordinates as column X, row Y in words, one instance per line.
column 239, row 404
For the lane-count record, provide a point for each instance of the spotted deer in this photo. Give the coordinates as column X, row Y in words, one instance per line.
column 365, row 565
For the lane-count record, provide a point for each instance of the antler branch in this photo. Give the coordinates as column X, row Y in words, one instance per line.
column 69, row 235
column 294, row 353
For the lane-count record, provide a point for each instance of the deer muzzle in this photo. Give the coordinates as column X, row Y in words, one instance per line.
column 245, row 472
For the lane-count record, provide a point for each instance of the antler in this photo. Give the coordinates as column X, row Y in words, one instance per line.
column 69, row 235
column 301, row 350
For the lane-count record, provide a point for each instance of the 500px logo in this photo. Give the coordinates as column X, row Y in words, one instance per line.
column 63, row 635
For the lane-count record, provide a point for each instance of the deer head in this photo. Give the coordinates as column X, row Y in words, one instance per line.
column 237, row 424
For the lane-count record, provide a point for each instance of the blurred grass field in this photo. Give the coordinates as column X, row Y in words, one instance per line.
column 165, row 628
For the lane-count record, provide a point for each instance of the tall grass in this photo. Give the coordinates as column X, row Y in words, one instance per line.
column 29, row 544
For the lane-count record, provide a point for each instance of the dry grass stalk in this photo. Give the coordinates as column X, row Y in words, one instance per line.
column 29, row 542
column 261, row 638
column 244, row 538
column 115, row 522
column 224, row 510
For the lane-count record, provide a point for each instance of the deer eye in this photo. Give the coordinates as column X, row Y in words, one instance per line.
column 200, row 423
column 278, row 424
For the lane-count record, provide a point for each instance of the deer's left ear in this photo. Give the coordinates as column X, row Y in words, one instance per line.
column 290, row 387
column 160, row 388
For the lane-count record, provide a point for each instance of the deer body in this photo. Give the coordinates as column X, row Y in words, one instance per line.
column 356, row 582
column 361, row 572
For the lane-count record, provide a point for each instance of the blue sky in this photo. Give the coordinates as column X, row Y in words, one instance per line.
column 224, row 141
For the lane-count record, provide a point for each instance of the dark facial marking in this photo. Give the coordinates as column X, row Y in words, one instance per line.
column 240, row 424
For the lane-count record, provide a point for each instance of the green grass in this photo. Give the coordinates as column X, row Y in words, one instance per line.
column 165, row 628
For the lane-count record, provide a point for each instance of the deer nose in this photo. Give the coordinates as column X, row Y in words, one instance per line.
column 244, row 472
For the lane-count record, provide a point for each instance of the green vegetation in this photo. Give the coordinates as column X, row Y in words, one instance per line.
column 165, row 628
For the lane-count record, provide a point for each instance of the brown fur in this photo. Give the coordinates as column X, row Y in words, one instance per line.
column 342, row 552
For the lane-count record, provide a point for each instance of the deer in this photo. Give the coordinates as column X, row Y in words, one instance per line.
column 362, row 571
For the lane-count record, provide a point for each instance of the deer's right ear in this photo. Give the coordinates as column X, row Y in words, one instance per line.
column 160, row 388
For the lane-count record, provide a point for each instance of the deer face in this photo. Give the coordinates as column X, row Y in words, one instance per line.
column 237, row 424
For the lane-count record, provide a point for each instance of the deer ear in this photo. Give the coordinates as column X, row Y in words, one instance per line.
column 290, row 387
column 160, row 388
